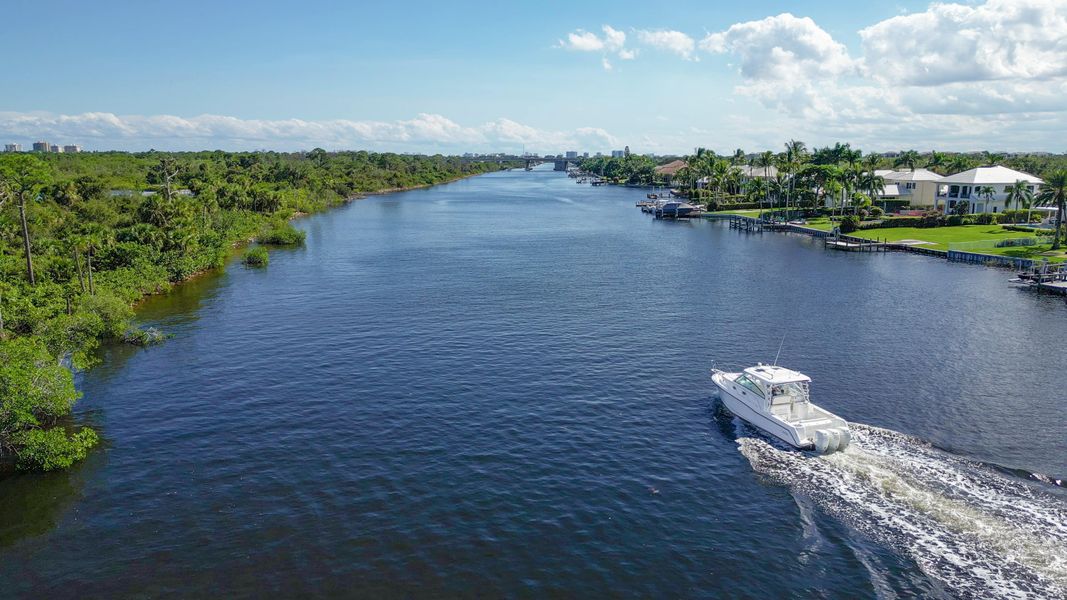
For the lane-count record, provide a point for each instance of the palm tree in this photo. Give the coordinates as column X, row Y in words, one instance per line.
column 794, row 155
column 907, row 158
column 987, row 192
column 77, row 243
column 1020, row 193
column 958, row 164
column 720, row 175
column 766, row 160
column 23, row 178
column 1054, row 193
column 738, row 158
column 936, row 161
column 992, row 158
column 95, row 238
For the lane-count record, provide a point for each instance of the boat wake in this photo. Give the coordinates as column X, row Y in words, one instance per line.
column 980, row 532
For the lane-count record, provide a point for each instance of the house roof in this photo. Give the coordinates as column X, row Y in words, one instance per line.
column 916, row 175
column 991, row 175
column 671, row 168
column 883, row 172
column 754, row 171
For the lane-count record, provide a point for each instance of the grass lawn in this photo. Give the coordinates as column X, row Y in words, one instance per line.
column 754, row 212
column 822, row 223
column 943, row 236
column 1034, row 252
column 940, row 236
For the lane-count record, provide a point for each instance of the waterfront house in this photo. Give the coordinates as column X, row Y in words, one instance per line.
column 917, row 187
column 667, row 172
column 966, row 187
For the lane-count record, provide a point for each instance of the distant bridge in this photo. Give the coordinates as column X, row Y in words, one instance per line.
column 559, row 164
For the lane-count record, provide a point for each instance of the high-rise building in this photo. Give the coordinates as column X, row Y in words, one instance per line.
column 12, row 147
column 72, row 148
column 617, row 153
column 626, row 152
column 41, row 147
column 572, row 154
column 585, row 155
column 57, row 149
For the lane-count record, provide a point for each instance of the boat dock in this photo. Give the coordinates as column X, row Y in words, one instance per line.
column 1045, row 277
column 743, row 223
column 852, row 244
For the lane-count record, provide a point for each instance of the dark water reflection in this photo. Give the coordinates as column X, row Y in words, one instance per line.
column 499, row 387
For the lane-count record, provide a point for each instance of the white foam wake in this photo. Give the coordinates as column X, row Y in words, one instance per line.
column 979, row 532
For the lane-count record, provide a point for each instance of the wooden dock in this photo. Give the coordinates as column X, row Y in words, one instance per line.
column 1045, row 277
column 854, row 244
column 743, row 223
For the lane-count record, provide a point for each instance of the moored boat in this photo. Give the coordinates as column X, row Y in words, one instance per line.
column 777, row 401
column 673, row 209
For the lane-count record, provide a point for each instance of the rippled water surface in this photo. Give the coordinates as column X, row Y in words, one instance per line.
column 499, row 387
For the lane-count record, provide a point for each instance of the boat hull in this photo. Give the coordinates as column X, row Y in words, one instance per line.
column 809, row 427
column 757, row 419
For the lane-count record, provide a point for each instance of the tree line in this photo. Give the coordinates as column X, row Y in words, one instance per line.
column 838, row 176
column 84, row 236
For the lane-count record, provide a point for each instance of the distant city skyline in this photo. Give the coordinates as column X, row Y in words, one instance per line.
column 590, row 76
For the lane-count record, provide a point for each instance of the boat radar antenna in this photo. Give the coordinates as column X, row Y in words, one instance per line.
column 782, row 343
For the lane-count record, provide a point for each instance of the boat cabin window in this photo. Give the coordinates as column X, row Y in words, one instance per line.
column 796, row 391
column 752, row 386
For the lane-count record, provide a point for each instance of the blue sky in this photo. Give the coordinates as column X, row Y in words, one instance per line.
column 454, row 77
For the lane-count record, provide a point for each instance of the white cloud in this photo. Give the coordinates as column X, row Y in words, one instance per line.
column 998, row 40
column 582, row 41
column 614, row 40
column 783, row 47
column 669, row 40
column 423, row 133
column 954, row 75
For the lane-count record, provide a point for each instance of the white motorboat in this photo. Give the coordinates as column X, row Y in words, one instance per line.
column 777, row 401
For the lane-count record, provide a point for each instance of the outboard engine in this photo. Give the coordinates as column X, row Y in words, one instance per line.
column 832, row 440
column 825, row 441
column 846, row 439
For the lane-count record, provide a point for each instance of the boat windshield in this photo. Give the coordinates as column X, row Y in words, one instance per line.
column 796, row 391
column 753, row 386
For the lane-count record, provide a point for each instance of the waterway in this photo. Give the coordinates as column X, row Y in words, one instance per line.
column 499, row 387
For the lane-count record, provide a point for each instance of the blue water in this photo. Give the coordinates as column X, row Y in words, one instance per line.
column 499, row 387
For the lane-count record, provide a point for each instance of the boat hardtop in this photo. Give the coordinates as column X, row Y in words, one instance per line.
column 775, row 375
column 777, row 401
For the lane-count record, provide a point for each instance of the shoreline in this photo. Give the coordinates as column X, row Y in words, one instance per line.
column 239, row 244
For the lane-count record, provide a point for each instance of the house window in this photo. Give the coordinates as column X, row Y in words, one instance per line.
column 965, row 191
column 1007, row 189
column 953, row 192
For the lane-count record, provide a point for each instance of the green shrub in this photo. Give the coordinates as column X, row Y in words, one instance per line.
column 34, row 388
column 849, row 224
column 954, row 220
column 256, row 257
column 877, row 212
column 144, row 337
column 51, row 449
column 281, row 233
